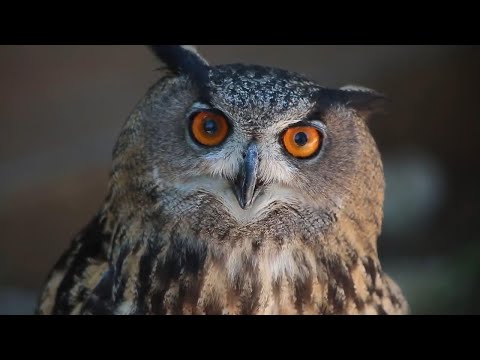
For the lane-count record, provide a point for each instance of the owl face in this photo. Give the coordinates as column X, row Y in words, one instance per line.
column 250, row 140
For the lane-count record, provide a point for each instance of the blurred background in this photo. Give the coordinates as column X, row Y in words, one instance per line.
column 61, row 108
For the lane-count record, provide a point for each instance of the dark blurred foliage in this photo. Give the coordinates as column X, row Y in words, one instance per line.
column 61, row 108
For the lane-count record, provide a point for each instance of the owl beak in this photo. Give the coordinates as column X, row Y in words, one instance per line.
column 246, row 182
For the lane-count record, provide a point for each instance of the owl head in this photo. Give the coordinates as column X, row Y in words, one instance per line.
column 249, row 152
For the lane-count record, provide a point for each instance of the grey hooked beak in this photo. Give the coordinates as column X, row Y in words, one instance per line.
column 246, row 182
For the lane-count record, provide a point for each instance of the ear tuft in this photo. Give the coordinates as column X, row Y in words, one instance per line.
column 183, row 59
column 366, row 102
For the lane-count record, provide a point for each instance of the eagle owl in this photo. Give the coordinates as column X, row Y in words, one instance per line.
column 235, row 189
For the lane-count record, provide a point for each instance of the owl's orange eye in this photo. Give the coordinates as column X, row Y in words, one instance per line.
column 209, row 128
column 302, row 141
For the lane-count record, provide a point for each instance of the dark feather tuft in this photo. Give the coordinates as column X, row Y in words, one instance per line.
column 183, row 60
column 364, row 101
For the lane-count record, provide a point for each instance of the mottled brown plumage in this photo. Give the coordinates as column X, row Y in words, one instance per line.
column 173, row 236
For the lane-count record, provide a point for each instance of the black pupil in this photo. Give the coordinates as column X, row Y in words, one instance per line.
column 301, row 138
column 210, row 126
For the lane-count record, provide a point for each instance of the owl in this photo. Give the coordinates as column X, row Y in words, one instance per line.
column 235, row 189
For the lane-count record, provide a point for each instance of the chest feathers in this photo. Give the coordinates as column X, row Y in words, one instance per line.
column 173, row 272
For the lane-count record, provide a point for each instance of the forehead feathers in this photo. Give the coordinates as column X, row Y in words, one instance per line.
column 258, row 92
